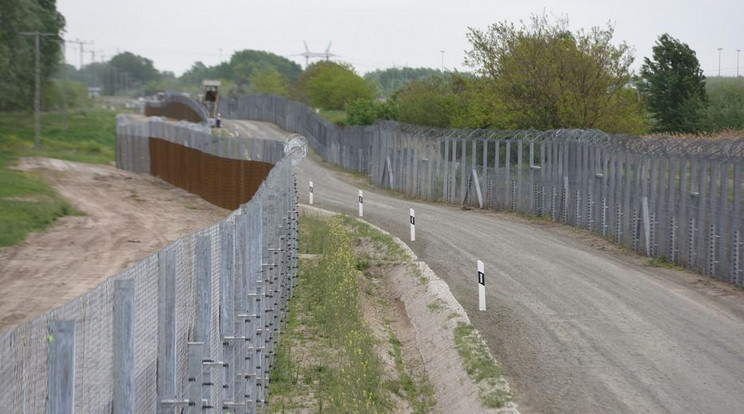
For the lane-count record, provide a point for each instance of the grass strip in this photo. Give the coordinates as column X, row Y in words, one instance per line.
column 344, row 374
column 327, row 360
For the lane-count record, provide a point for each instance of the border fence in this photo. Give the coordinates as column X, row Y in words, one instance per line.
column 676, row 198
column 177, row 106
column 190, row 329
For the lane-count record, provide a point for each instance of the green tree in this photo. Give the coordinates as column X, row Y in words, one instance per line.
column 368, row 111
column 139, row 68
column 243, row 63
column 269, row 80
column 481, row 106
column 675, row 86
column 388, row 81
column 547, row 77
column 195, row 74
column 17, row 51
column 330, row 85
column 725, row 106
column 432, row 101
column 241, row 69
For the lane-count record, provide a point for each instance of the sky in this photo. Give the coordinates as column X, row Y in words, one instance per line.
column 382, row 33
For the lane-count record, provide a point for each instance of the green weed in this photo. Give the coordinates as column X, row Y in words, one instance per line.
column 665, row 263
column 27, row 203
column 479, row 364
column 328, row 297
column 383, row 243
column 436, row 306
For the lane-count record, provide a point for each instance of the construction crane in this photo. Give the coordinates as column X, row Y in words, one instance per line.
column 308, row 54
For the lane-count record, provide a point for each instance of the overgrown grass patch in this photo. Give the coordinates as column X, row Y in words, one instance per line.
column 437, row 305
column 386, row 247
column 314, row 234
column 329, row 318
column 336, row 116
column 90, row 136
column 26, row 203
column 418, row 392
column 328, row 359
column 663, row 262
column 479, row 364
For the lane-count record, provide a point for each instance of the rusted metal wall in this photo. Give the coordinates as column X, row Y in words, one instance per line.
column 174, row 110
column 224, row 182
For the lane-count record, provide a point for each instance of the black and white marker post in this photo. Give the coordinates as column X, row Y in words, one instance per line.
column 481, row 286
column 361, row 204
column 412, row 219
column 311, row 193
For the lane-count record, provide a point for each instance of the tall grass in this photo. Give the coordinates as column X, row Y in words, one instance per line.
column 347, row 374
column 26, row 204
column 89, row 136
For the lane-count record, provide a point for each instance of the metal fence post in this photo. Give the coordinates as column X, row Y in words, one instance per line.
column 227, row 306
column 203, row 307
column 123, row 341
column 166, row 383
column 61, row 374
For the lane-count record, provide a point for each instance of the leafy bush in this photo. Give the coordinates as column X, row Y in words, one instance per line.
column 367, row 112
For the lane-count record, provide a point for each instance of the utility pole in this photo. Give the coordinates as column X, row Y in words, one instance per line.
column 442, row 51
column 737, row 62
column 64, row 89
column 114, row 81
column 93, row 80
column 81, row 44
column 719, row 61
column 37, row 85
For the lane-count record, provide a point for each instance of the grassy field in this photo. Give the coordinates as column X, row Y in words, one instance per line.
column 327, row 360
column 89, row 137
column 26, row 202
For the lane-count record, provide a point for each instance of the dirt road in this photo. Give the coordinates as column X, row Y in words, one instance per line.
column 128, row 217
column 579, row 325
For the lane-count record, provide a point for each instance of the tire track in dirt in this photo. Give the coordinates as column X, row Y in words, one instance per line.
column 128, row 216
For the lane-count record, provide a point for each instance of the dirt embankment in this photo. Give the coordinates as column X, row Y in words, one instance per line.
column 435, row 338
column 127, row 217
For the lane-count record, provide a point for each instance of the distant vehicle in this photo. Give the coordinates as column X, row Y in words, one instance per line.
column 211, row 98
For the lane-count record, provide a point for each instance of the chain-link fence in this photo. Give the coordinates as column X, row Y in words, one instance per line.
column 189, row 329
column 670, row 197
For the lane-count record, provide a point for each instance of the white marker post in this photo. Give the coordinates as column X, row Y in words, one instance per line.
column 311, row 193
column 361, row 204
column 413, row 224
column 481, row 286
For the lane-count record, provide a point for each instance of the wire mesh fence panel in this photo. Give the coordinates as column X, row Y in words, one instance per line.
column 119, row 358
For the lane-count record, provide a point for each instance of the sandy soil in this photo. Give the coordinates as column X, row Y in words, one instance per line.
column 128, row 216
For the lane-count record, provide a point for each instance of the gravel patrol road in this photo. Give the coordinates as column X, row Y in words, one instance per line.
column 579, row 325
